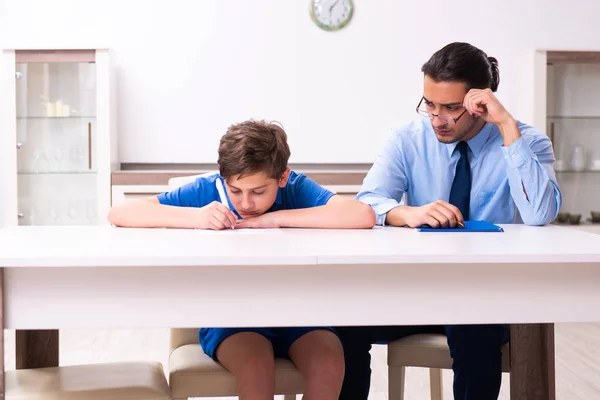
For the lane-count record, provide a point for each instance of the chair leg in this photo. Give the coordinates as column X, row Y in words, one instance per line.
column 289, row 397
column 435, row 384
column 396, row 382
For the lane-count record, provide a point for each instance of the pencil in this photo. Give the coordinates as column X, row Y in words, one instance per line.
column 222, row 196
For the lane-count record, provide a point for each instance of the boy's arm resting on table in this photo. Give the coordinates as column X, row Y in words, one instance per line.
column 184, row 207
column 337, row 213
column 149, row 213
column 532, row 180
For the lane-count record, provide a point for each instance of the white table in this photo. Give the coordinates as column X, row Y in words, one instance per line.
column 105, row 277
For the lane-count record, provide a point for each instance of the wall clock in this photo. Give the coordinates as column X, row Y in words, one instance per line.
column 331, row 15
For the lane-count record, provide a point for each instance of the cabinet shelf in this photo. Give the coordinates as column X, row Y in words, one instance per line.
column 44, row 118
column 56, row 173
column 572, row 171
column 584, row 117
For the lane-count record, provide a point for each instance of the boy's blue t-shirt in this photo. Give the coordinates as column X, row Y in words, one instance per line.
column 299, row 192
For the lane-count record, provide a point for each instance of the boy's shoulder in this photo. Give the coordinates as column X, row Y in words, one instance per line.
column 208, row 179
column 295, row 178
column 206, row 186
column 301, row 191
column 192, row 192
column 205, row 183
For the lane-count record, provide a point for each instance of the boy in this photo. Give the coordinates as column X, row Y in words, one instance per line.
column 262, row 192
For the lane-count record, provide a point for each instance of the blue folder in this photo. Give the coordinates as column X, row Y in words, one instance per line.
column 470, row 226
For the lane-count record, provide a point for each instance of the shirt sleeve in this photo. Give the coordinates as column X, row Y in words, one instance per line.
column 190, row 195
column 308, row 193
column 386, row 182
column 533, row 185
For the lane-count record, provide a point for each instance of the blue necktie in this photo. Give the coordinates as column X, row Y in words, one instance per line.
column 460, row 194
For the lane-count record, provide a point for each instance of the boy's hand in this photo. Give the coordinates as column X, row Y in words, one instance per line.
column 439, row 214
column 216, row 216
column 268, row 220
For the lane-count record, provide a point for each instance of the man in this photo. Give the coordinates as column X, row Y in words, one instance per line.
column 468, row 160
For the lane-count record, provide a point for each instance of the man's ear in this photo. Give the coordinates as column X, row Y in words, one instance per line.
column 284, row 178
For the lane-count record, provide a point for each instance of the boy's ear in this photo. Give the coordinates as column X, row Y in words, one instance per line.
column 284, row 178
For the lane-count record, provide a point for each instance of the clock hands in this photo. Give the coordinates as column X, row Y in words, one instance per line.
column 333, row 5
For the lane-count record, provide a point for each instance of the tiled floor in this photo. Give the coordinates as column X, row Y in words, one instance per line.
column 577, row 359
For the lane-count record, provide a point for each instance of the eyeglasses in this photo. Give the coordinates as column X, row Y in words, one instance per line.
column 431, row 116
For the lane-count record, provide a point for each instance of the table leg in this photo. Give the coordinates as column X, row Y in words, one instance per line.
column 2, row 333
column 36, row 349
column 532, row 372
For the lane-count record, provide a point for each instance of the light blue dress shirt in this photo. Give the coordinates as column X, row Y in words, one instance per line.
column 417, row 169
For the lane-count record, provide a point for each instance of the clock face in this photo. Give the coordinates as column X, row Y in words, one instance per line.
column 331, row 15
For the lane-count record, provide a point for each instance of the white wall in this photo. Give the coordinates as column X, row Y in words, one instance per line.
column 187, row 69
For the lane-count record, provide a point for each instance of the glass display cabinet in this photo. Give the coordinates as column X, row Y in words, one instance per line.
column 58, row 136
column 573, row 124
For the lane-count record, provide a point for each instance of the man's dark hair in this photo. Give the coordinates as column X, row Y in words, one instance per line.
column 463, row 62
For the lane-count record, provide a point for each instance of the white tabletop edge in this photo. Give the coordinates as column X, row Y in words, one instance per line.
column 457, row 259
column 155, row 262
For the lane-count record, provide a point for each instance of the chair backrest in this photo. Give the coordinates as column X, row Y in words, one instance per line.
column 179, row 181
column 181, row 336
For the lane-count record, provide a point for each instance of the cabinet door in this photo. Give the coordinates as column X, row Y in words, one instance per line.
column 573, row 123
column 56, row 96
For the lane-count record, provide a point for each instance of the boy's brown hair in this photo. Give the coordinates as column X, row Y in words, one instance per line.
column 252, row 147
